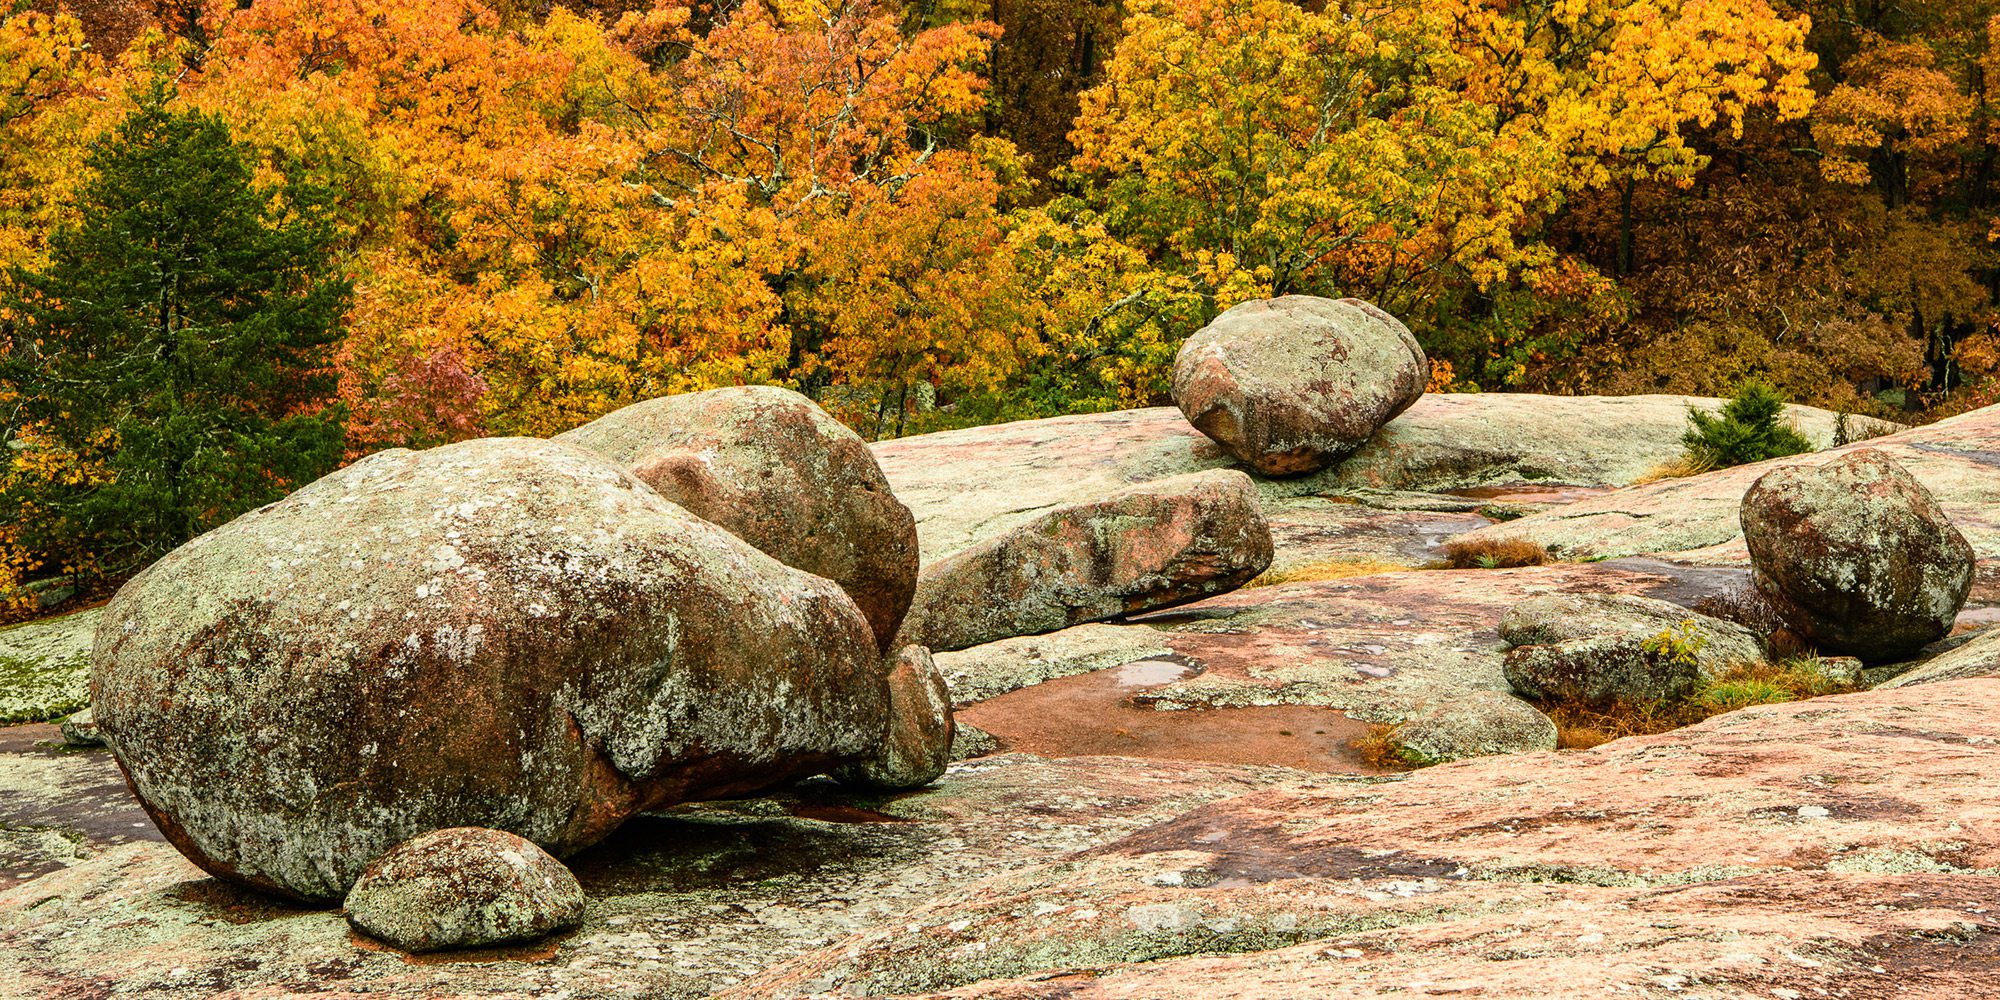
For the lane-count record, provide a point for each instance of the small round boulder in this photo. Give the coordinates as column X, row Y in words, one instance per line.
column 1293, row 384
column 1480, row 724
column 917, row 748
column 1857, row 555
column 464, row 887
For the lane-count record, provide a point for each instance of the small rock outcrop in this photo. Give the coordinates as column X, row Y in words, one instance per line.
column 1293, row 384
column 464, row 887
column 917, row 748
column 772, row 468
column 504, row 633
column 80, row 730
column 1480, row 724
column 1978, row 656
column 1857, row 555
column 1150, row 546
column 1600, row 649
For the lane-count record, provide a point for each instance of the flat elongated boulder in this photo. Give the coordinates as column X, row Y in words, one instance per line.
column 917, row 747
column 505, row 633
column 1150, row 546
column 1857, row 554
column 1601, row 649
column 464, row 887
column 780, row 473
column 1477, row 724
column 1293, row 384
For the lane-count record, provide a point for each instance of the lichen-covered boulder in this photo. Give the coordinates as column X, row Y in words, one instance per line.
column 1857, row 555
column 1479, row 724
column 80, row 730
column 917, row 747
column 780, row 473
column 505, row 633
column 1149, row 546
column 464, row 887
column 1602, row 649
column 1291, row 385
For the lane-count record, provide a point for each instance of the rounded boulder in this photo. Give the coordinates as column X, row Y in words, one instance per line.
column 504, row 633
column 1480, row 724
column 917, row 747
column 1857, row 555
column 773, row 468
column 465, row 887
column 1293, row 384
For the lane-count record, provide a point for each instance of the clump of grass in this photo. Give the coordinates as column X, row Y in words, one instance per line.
column 1325, row 569
column 1380, row 750
column 1493, row 553
column 1580, row 727
column 1679, row 468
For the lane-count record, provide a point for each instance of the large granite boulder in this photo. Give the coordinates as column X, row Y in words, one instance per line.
column 464, row 887
column 1602, row 649
column 1291, row 385
column 505, row 633
column 780, row 473
column 1149, row 546
column 1857, row 555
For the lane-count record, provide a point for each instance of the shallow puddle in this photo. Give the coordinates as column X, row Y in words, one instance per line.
column 1096, row 714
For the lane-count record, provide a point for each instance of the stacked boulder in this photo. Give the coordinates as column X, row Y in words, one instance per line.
column 1857, row 555
column 772, row 468
column 511, row 635
column 1292, row 385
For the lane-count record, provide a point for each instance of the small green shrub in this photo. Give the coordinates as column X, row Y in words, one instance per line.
column 1750, row 429
column 1680, row 644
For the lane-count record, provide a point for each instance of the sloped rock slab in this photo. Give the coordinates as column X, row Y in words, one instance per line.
column 1844, row 847
column 968, row 485
column 1697, row 517
column 45, row 667
column 1378, row 647
column 681, row 905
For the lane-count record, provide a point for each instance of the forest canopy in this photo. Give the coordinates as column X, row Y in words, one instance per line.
column 951, row 212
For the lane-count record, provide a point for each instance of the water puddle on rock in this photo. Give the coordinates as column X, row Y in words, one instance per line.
column 1097, row 714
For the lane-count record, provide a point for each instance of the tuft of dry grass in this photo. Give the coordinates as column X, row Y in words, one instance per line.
column 1493, row 553
column 1379, row 749
column 1679, row 468
column 1580, row 727
column 1747, row 606
column 1326, row 569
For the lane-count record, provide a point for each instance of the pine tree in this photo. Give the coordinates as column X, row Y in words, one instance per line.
column 1750, row 429
column 179, row 341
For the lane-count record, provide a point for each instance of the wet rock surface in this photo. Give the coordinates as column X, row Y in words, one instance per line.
column 1292, row 384
column 772, row 468
column 1857, row 555
column 1830, row 843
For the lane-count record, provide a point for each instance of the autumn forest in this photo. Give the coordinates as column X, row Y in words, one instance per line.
column 512, row 219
